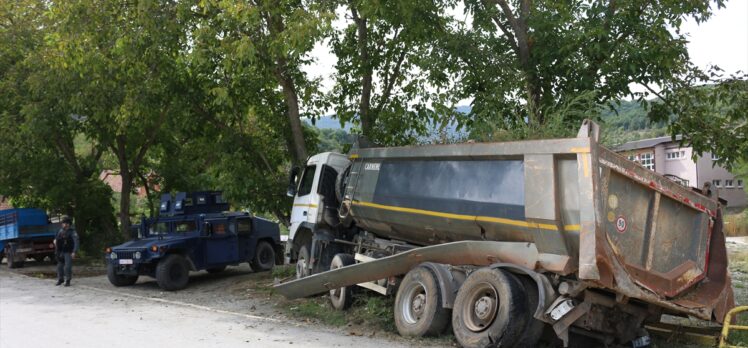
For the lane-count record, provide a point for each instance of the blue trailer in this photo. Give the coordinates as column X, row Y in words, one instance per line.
column 26, row 233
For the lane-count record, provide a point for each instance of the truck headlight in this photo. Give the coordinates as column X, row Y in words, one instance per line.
column 113, row 255
column 137, row 254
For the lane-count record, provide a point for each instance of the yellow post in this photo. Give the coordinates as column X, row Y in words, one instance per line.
column 727, row 326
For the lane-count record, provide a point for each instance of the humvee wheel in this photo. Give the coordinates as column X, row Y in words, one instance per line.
column 341, row 298
column 418, row 305
column 172, row 273
column 119, row 279
column 264, row 259
column 490, row 310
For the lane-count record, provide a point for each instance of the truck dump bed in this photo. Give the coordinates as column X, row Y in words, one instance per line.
column 590, row 213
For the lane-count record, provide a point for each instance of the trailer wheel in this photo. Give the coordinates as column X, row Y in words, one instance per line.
column 118, row 279
column 418, row 305
column 172, row 273
column 341, row 298
column 264, row 259
column 302, row 262
column 490, row 310
column 214, row 270
column 534, row 327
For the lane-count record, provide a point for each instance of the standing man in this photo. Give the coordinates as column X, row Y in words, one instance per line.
column 66, row 246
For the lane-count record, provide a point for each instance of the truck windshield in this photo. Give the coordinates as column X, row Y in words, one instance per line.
column 185, row 226
column 158, row 228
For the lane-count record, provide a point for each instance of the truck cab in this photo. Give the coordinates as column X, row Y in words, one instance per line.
column 193, row 232
column 315, row 206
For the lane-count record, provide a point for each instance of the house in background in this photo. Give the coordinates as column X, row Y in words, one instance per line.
column 5, row 203
column 665, row 156
column 114, row 180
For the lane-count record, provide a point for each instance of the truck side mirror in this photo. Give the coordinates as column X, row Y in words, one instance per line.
column 293, row 176
column 207, row 228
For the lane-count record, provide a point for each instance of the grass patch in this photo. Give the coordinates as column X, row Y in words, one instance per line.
column 283, row 272
column 318, row 310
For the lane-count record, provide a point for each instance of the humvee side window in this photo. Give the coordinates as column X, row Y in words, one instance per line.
column 185, row 226
column 244, row 226
column 306, row 181
column 159, row 228
column 219, row 228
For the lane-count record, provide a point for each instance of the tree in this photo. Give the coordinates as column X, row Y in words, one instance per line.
column 380, row 80
column 125, row 60
column 524, row 60
column 45, row 161
column 270, row 40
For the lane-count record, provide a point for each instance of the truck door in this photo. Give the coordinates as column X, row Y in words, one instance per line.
column 247, row 240
column 306, row 202
column 221, row 244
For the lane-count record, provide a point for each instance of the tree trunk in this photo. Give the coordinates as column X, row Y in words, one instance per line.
column 292, row 103
column 124, row 204
column 364, row 109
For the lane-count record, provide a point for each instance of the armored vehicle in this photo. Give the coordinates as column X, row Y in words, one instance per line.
column 507, row 240
column 193, row 232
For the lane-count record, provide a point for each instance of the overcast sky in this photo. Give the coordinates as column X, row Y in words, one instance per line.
column 721, row 41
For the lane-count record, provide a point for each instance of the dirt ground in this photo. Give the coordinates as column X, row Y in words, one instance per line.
column 239, row 290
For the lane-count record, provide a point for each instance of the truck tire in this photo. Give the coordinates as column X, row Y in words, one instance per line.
column 302, row 262
column 118, row 279
column 214, row 270
column 490, row 310
column 264, row 259
column 172, row 273
column 2, row 254
column 39, row 258
column 534, row 327
column 341, row 298
column 418, row 305
column 12, row 262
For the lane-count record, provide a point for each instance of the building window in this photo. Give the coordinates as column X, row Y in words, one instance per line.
column 740, row 183
column 675, row 155
column 647, row 160
column 728, row 183
column 714, row 157
column 717, row 183
column 632, row 158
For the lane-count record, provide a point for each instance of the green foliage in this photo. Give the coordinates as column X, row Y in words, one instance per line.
column 380, row 85
column 42, row 164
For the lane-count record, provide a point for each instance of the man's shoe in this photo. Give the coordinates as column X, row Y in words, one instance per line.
column 67, row 283
column 58, row 283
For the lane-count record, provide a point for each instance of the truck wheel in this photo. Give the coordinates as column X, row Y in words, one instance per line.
column 418, row 305
column 264, row 259
column 2, row 255
column 118, row 279
column 172, row 273
column 534, row 327
column 39, row 259
column 341, row 298
column 12, row 263
column 302, row 263
column 490, row 310
column 216, row 269
column 53, row 259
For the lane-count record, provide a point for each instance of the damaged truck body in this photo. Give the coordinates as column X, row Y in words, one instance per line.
column 508, row 240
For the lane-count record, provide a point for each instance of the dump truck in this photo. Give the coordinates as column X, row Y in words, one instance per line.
column 26, row 233
column 506, row 241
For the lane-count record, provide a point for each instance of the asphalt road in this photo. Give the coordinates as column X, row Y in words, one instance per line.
column 35, row 313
